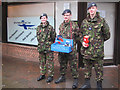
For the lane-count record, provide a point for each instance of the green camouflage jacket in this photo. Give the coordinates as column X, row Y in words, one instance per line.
column 98, row 31
column 45, row 36
column 69, row 30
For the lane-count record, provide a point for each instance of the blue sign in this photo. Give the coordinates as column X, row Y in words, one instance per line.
column 25, row 25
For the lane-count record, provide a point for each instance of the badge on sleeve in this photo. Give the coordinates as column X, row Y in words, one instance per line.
column 90, row 28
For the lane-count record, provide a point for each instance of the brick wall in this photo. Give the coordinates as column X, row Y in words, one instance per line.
column 27, row 53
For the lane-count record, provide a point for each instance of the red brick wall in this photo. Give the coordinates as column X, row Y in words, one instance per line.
column 27, row 53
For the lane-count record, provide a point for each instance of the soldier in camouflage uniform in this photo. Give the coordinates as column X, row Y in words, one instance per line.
column 96, row 28
column 45, row 37
column 69, row 30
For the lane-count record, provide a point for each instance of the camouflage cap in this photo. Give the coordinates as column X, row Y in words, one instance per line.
column 91, row 4
column 66, row 11
column 44, row 14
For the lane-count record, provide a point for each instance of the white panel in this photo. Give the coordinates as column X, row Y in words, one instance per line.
column 109, row 13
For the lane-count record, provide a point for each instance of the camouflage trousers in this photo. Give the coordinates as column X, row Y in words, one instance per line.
column 64, row 58
column 46, row 60
column 98, row 66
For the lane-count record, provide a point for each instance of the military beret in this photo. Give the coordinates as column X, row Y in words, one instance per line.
column 91, row 4
column 44, row 14
column 66, row 11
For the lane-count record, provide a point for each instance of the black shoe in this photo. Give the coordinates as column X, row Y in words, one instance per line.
column 41, row 77
column 86, row 85
column 99, row 85
column 75, row 83
column 60, row 79
column 49, row 79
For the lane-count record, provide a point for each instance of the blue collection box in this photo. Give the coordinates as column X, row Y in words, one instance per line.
column 65, row 46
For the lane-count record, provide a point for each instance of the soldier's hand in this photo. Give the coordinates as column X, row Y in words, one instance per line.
column 85, row 44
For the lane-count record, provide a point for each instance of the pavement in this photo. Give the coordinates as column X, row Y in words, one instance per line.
column 18, row 73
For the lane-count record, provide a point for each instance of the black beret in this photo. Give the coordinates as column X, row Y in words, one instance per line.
column 91, row 4
column 66, row 11
column 44, row 14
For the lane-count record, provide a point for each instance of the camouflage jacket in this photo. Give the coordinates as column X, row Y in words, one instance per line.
column 98, row 31
column 45, row 36
column 69, row 30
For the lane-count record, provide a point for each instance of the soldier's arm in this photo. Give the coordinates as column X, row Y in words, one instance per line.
column 38, row 33
column 60, row 29
column 53, row 34
column 106, row 31
column 76, row 32
column 81, row 32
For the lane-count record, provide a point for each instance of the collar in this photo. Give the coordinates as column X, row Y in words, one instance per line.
column 66, row 23
column 45, row 25
column 94, row 19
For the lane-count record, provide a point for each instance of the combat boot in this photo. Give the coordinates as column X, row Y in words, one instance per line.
column 49, row 79
column 41, row 77
column 75, row 83
column 86, row 85
column 99, row 85
column 60, row 79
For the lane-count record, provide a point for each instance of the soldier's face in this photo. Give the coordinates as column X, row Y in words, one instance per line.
column 67, row 17
column 43, row 19
column 92, row 10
